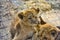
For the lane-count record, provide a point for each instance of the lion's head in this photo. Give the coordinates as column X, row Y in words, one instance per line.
column 29, row 16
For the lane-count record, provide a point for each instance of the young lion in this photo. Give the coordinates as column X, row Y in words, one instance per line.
column 45, row 31
column 23, row 24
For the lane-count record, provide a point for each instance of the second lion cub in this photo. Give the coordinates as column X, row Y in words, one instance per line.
column 45, row 31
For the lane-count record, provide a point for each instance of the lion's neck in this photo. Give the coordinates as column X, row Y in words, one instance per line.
column 25, row 28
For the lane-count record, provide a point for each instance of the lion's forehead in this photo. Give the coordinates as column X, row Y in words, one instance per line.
column 29, row 11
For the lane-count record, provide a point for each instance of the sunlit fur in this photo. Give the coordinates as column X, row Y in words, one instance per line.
column 23, row 23
column 46, row 32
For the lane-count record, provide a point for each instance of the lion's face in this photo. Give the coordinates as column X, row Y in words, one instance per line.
column 29, row 16
column 48, row 32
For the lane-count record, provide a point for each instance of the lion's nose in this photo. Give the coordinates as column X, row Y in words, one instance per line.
column 44, row 38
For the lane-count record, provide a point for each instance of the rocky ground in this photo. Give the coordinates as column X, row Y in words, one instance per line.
column 5, row 15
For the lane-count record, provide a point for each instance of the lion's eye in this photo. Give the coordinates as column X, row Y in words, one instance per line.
column 53, row 33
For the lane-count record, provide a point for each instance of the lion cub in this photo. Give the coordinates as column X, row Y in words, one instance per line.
column 45, row 31
column 23, row 23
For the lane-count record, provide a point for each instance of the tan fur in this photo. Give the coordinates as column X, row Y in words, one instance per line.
column 23, row 26
column 44, row 32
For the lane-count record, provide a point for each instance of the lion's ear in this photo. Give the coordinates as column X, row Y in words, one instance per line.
column 42, row 22
column 20, row 15
column 58, row 27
